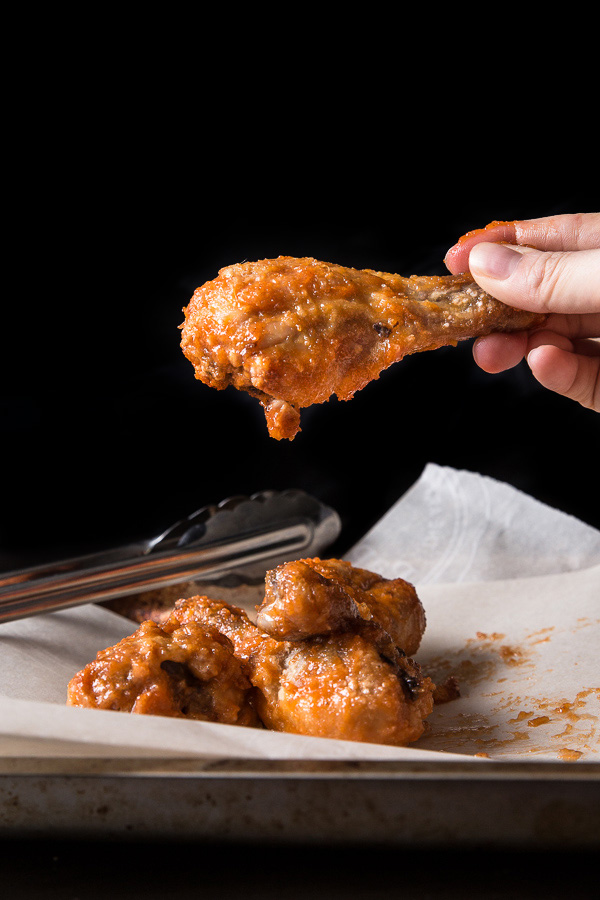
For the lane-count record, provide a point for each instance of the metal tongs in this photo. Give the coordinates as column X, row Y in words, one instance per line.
column 241, row 536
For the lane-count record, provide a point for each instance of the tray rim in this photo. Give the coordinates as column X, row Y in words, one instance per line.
column 483, row 770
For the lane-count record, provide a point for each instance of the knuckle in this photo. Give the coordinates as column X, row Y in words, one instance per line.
column 569, row 230
column 544, row 279
column 584, row 231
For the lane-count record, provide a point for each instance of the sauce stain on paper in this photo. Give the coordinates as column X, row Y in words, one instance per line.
column 562, row 725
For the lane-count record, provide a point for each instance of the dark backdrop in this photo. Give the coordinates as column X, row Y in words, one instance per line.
column 106, row 435
column 132, row 176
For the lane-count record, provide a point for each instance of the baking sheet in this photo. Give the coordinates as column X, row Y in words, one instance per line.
column 523, row 646
column 398, row 803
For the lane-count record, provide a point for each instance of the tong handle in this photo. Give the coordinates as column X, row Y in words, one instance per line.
column 68, row 588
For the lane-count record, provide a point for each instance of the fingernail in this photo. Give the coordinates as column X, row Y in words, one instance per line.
column 494, row 260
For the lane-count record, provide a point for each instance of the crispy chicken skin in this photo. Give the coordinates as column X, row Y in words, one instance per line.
column 182, row 669
column 343, row 687
column 309, row 597
column 295, row 331
column 343, row 675
column 353, row 684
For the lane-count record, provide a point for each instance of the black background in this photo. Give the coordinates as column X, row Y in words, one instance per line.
column 107, row 436
column 133, row 176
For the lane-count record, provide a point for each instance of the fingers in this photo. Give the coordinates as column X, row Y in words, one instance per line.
column 570, row 368
column 576, row 345
column 549, row 265
column 584, row 326
column 457, row 257
column 497, row 352
column 536, row 280
column 567, row 232
column 570, row 374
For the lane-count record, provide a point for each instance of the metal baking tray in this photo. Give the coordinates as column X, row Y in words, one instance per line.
column 438, row 802
column 494, row 804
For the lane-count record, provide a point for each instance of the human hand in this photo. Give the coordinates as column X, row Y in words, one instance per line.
column 549, row 265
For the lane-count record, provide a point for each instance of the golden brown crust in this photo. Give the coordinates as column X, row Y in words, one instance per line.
column 182, row 669
column 342, row 687
column 310, row 597
column 344, row 675
column 295, row 331
column 348, row 685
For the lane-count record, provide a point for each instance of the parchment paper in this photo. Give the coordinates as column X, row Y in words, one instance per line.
column 511, row 590
column 453, row 526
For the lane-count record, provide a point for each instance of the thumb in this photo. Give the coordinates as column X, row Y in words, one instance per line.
column 561, row 282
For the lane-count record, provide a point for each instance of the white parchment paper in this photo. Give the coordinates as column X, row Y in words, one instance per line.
column 511, row 590
column 453, row 526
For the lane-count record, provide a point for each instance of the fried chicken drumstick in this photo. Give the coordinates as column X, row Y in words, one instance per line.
column 310, row 597
column 344, row 674
column 182, row 669
column 348, row 684
column 295, row 331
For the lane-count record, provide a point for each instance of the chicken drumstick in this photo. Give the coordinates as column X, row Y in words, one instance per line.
column 293, row 332
column 348, row 684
